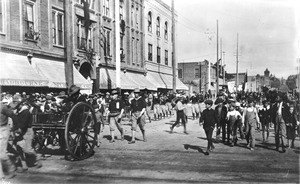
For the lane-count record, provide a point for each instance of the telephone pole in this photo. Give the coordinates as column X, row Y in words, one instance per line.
column 217, row 89
column 174, row 64
column 223, row 58
column 237, row 61
column 69, row 43
column 117, row 44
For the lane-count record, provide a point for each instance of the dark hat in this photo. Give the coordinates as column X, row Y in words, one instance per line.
column 209, row 102
column 114, row 92
column 73, row 89
column 136, row 90
column 218, row 100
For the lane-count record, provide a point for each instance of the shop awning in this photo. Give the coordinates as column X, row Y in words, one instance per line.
column 54, row 71
column 165, row 81
column 15, row 70
column 129, row 80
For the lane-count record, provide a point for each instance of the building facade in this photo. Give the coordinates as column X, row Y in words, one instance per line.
column 158, row 44
column 255, row 83
column 49, row 35
column 196, row 76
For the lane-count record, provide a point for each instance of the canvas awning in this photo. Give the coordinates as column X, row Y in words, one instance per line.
column 165, row 81
column 129, row 80
column 54, row 71
column 15, row 70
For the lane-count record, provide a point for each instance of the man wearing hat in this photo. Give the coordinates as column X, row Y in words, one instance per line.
column 115, row 111
column 221, row 112
column 6, row 112
column 279, row 113
column 138, row 108
column 250, row 119
column 265, row 119
column 75, row 96
column 209, row 120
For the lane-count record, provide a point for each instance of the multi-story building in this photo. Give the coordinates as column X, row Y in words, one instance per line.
column 158, row 45
column 196, row 76
column 49, row 35
column 34, row 43
column 131, row 16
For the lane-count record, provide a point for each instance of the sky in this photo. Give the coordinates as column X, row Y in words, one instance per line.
column 268, row 34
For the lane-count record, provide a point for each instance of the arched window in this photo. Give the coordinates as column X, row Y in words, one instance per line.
column 158, row 26
column 150, row 21
column 166, row 30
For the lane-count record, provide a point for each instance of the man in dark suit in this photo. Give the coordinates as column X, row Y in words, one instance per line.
column 278, row 117
column 209, row 118
column 221, row 113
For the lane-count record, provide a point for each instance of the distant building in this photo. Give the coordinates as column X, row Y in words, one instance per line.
column 255, row 83
column 195, row 75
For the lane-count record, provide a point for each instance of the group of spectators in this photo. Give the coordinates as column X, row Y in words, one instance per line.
column 241, row 114
column 247, row 114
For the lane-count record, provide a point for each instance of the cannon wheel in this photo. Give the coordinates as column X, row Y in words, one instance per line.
column 80, row 133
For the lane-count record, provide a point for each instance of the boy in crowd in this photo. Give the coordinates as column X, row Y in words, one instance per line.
column 209, row 118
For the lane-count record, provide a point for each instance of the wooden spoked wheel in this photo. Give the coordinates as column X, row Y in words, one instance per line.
column 80, row 133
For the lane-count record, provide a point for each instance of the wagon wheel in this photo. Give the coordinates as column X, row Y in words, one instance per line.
column 80, row 133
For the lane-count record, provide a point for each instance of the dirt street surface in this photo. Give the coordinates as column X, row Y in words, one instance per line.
column 170, row 158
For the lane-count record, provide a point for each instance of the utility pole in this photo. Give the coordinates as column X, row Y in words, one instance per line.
column 174, row 64
column 223, row 59
column 117, row 44
column 237, row 61
column 200, row 81
column 69, row 43
column 217, row 89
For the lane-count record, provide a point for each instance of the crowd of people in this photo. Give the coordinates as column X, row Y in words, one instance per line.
column 234, row 117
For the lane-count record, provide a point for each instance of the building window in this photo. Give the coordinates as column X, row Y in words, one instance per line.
column 121, row 11
column 150, row 52
column 137, row 17
column 2, row 16
column 137, row 51
column 106, row 8
column 196, row 72
column 150, row 22
column 158, row 26
column 158, row 55
column 84, row 40
column 132, row 15
column 58, row 27
column 30, row 17
column 166, row 58
column 81, row 36
column 107, row 34
column 180, row 73
column 166, row 30
column 132, row 51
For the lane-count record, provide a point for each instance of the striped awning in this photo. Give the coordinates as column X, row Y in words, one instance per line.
column 15, row 70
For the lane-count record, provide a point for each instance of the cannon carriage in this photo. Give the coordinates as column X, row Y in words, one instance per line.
column 76, row 130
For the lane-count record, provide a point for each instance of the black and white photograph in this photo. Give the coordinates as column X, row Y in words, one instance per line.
column 149, row 91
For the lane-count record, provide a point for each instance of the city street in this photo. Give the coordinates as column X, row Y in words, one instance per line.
column 170, row 158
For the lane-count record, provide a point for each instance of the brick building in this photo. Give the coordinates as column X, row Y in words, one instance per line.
column 46, row 35
column 195, row 75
